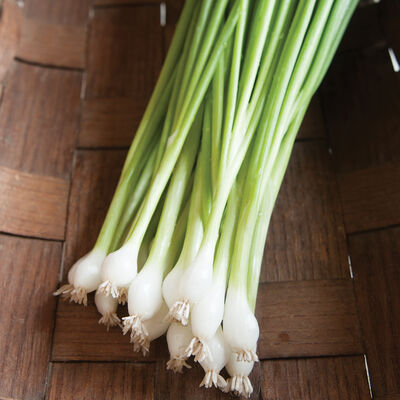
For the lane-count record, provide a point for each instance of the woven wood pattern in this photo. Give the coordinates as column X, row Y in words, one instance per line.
column 75, row 78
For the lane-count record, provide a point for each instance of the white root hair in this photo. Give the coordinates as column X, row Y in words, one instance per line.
column 109, row 320
column 177, row 364
column 73, row 294
column 247, row 355
column 142, row 345
column 179, row 312
column 109, row 289
column 199, row 349
column 239, row 385
column 138, row 330
column 213, row 378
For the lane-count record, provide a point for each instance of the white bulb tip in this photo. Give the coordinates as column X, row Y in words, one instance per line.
column 213, row 378
column 179, row 312
column 247, row 355
column 177, row 364
column 239, row 385
column 109, row 289
column 139, row 333
column 198, row 349
column 109, row 320
column 134, row 324
column 143, row 345
column 122, row 296
column 64, row 290
column 73, row 294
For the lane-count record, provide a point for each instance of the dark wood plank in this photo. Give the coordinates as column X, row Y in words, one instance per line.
column 111, row 381
column 364, row 29
column 78, row 336
column 306, row 238
column 28, row 272
column 389, row 19
column 10, row 22
column 328, row 378
column 38, row 119
column 63, row 12
column 52, row 44
column 307, row 318
column 109, row 122
column 375, row 259
column 124, row 59
column 361, row 104
column 174, row 8
column 389, row 397
column 173, row 11
column 173, row 386
column 32, row 205
column 122, row 2
column 313, row 123
column 371, row 197
column 94, row 179
column 168, row 33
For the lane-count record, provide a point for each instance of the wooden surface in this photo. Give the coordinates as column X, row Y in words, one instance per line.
column 75, row 78
column 10, row 28
column 330, row 378
column 375, row 260
column 118, row 381
column 28, row 268
column 32, row 205
column 306, row 238
column 307, row 318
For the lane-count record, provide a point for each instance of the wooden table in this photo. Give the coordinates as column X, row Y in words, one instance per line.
column 75, row 76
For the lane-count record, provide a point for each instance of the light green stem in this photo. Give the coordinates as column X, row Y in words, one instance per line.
column 248, row 212
column 175, row 196
column 163, row 81
column 177, row 139
column 133, row 202
column 266, row 208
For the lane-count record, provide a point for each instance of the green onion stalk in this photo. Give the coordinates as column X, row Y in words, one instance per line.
column 183, row 239
column 120, row 267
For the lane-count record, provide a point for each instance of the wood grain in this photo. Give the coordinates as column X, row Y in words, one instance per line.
column 32, row 205
column 328, row 378
column 174, row 8
column 94, row 179
column 389, row 19
column 313, row 122
column 124, row 52
column 171, row 386
column 389, row 397
column 38, row 119
column 375, row 259
column 123, row 2
column 109, row 122
column 307, row 318
column 124, row 59
column 361, row 103
column 306, row 238
column 364, row 29
column 78, row 336
column 62, row 12
column 111, row 381
column 10, row 23
column 52, row 44
column 28, row 271
column 371, row 197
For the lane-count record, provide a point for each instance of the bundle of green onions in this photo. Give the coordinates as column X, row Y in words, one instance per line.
column 184, row 236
